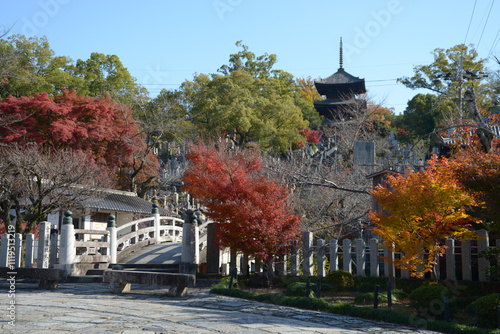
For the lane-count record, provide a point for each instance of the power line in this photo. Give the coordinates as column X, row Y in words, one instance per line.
column 485, row 23
column 472, row 15
column 495, row 42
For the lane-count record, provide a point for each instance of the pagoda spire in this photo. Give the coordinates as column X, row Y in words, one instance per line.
column 341, row 55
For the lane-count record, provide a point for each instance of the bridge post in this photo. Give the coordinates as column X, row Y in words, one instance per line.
column 68, row 250
column 155, row 213
column 112, row 239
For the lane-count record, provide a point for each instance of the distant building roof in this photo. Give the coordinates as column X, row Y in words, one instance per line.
column 121, row 201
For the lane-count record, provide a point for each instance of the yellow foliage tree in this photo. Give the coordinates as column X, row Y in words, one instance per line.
column 418, row 211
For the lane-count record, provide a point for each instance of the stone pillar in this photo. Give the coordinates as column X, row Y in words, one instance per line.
column 30, row 249
column 68, row 250
column 155, row 213
column 4, row 251
column 450, row 259
column 360, row 257
column 334, row 245
column 113, row 239
column 320, row 247
column 18, row 241
column 482, row 245
column 295, row 260
column 54, row 246
column 213, row 252
column 466, row 261
column 374, row 270
column 44, row 245
column 346, row 252
column 307, row 249
column 188, row 257
column 281, row 265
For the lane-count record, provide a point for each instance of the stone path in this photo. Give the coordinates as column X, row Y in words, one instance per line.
column 90, row 308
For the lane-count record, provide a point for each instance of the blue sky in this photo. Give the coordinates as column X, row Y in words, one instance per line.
column 163, row 43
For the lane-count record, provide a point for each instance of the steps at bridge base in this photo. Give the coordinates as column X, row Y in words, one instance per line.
column 167, row 267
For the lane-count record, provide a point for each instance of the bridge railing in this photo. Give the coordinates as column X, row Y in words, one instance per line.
column 142, row 232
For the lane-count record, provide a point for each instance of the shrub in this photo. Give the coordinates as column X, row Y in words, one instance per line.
column 369, row 297
column 486, row 310
column 428, row 299
column 367, row 284
column 299, row 289
column 340, row 279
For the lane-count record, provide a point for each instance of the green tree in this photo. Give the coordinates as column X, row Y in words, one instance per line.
column 249, row 102
column 105, row 74
column 29, row 66
column 442, row 76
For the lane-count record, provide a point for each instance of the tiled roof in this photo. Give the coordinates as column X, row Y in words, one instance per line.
column 340, row 77
column 122, row 203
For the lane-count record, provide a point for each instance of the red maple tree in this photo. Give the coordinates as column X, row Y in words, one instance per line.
column 251, row 212
column 68, row 121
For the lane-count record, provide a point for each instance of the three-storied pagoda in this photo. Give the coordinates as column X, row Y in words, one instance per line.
column 340, row 90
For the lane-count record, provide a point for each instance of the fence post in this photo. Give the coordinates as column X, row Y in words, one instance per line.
column 374, row 271
column 389, row 271
column 466, row 260
column 307, row 248
column 68, row 250
column 360, row 257
column 30, row 249
column 482, row 245
column 334, row 245
column 450, row 259
column 155, row 213
column 113, row 239
column 295, row 260
column 44, row 245
column 346, row 254
column 320, row 245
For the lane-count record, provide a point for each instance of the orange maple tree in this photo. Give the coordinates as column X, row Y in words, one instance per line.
column 418, row 211
column 251, row 212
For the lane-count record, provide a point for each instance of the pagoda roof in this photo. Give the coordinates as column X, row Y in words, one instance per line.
column 340, row 77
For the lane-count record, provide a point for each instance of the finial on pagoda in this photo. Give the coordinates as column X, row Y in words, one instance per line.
column 341, row 54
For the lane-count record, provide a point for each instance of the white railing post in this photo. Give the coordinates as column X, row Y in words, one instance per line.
column 43, row 245
column 30, row 250
column 68, row 250
column 155, row 213
column 113, row 245
column 18, row 241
